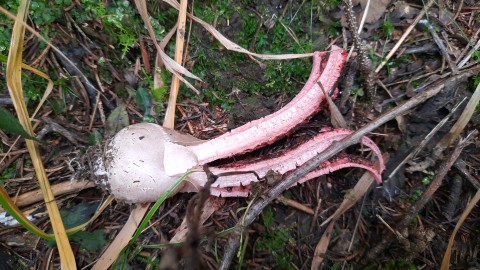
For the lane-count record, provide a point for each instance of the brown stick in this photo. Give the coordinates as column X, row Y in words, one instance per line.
column 335, row 148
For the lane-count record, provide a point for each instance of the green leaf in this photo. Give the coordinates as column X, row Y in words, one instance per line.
column 10, row 124
column 268, row 217
column 144, row 100
column 121, row 263
column 90, row 241
column 77, row 214
column 117, row 120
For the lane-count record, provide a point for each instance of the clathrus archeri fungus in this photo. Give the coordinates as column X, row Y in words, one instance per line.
column 143, row 160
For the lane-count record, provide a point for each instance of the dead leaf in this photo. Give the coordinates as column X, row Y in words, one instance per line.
column 375, row 11
column 338, row 120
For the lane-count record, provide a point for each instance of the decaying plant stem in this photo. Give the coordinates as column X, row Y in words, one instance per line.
column 364, row 65
column 335, row 148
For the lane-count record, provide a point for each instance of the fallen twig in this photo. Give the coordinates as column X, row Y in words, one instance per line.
column 462, row 167
column 455, row 192
column 425, row 141
column 439, row 176
column 440, row 44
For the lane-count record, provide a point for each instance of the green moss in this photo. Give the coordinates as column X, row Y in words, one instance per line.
column 275, row 241
column 119, row 18
column 42, row 12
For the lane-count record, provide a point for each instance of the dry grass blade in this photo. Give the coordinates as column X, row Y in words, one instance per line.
column 322, row 247
column 353, row 196
column 466, row 212
column 337, row 118
column 121, row 240
column 469, row 55
column 97, row 213
column 46, row 94
column 169, row 120
column 229, row 45
column 157, row 79
column 48, row 90
column 169, row 63
column 14, row 83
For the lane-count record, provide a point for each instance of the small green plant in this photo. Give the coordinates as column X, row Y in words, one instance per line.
column 476, row 80
column 7, row 173
column 334, row 28
column 119, row 19
column 388, row 28
column 427, row 179
column 476, row 55
column 331, row 4
column 358, row 91
column 276, row 240
column 416, row 195
column 160, row 93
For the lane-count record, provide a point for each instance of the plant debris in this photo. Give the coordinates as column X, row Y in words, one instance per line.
column 243, row 60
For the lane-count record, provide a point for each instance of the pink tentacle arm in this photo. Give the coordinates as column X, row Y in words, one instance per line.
column 341, row 162
column 268, row 129
column 289, row 160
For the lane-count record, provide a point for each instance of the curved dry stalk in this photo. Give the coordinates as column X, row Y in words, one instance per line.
column 169, row 120
column 13, row 75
